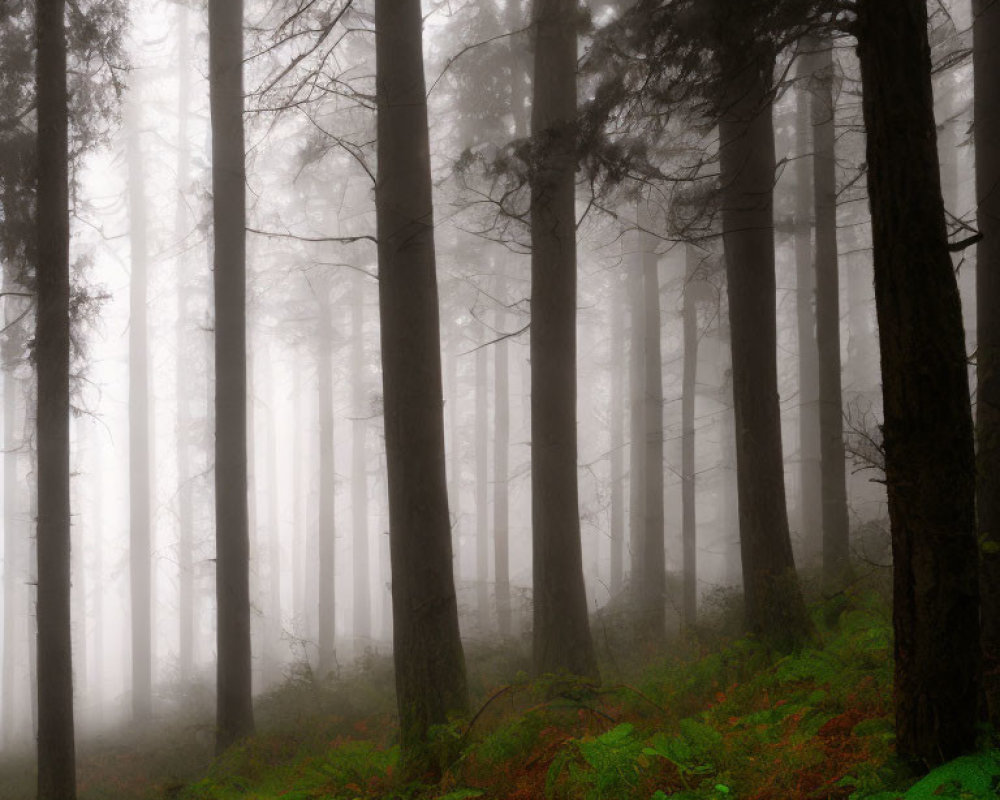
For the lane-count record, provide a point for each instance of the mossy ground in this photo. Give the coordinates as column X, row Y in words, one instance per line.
column 716, row 718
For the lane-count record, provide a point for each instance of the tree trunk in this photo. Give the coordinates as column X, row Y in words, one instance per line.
column 986, row 53
column 689, row 529
column 359, row 469
column 617, row 423
column 300, row 492
column 637, row 416
column 233, row 670
column 427, row 650
column 56, row 750
column 653, row 571
column 501, row 457
column 482, row 491
column 272, row 616
column 811, row 493
column 185, row 478
column 774, row 605
column 562, row 639
column 140, row 545
column 836, row 526
column 327, row 483
column 928, row 439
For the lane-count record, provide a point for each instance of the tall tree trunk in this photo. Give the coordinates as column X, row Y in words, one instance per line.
column 359, row 469
column 617, row 423
column 300, row 491
column 140, row 544
column 562, row 639
column 774, row 606
column 836, row 526
column 482, row 491
column 986, row 56
column 689, row 529
column 272, row 616
column 233, row 669
column 501, row 457
column 185, row 479
column 327, row 483
column 454, row 452
column 928, row 438
column 427, row 650
column 653, row 572
column 810, row 476
column 637, row 414
column 56, row 750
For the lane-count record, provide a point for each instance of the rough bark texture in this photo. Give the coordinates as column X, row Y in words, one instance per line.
column 359, row 469
column 836, row 525
column 234, row 705
column 427, row 650
column 689, row 527
column 326, row 523
column 140, row 543
column 928, row 438
column 774, row 605
column 653, row 573
column 562, row 640
column 986, row 55
column 501, row 458
column 810, row 480
column 56, row 750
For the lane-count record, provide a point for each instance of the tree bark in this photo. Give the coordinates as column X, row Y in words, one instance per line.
column 774, row 606
column 482, row 491
column 986, row 57
column 928, row 438
column 140, row 544
column 56, row 750
column 836, row 526
column 501, row 458
column 562, row 639
column 427, row 650
column 637, row 417
column 617, row 423
column 234, row 705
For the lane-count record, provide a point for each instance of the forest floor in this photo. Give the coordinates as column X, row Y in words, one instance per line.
column 718, row 718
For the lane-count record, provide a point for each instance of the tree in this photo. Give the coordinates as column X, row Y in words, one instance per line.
column 501, row 459
column 774, row 605
column 140, row 544
column 928, row 438
column 427, row 649
column 616, row 419
column 359, row 467
column 234, row 703
column 689, row 528
column 482, row 489
column 986, row 56
column 325, row 613
column 561, row 638
column 56, row 749
column 833, row 461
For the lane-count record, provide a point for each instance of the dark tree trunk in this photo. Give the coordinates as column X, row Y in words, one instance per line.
column 653, row 571
column 562, row 640
column 501, row 456
column 928, row 438
column 774, row 606
column 140, row 544
column 689, row 527
column 185, row 479
column 836, row 527
column 810, row 478
column 359, row 469
column 482, row 491
column 986, row 56
column 56, row 750
column 427, row 650
column 617, row 423
column 325, row 612
column 233, row 670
